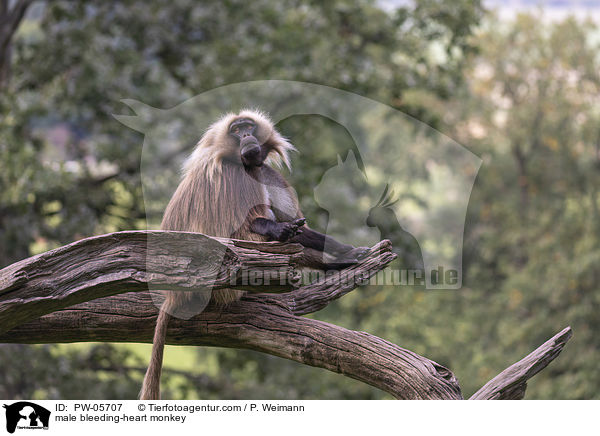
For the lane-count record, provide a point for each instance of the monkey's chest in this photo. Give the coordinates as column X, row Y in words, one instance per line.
column 282, row 206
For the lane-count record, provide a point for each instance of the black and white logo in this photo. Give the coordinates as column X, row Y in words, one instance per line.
column 26, row 415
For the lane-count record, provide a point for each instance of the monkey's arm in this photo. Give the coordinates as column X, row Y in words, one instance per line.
column 312, row 239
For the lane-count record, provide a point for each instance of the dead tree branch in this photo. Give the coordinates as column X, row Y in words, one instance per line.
column 46, row 299
column 511, row 383
column 121, row 262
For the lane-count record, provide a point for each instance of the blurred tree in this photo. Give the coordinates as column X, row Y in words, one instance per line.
column 532, row 113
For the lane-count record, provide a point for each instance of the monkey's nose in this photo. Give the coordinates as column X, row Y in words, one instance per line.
column 248, row 141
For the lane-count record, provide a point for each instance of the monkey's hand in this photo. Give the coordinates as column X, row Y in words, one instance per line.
column 287, row 230
column 276, row 231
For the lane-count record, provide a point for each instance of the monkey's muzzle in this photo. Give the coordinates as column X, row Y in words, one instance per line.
column 250, row 152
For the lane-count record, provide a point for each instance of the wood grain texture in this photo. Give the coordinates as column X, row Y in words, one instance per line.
column 121, row 262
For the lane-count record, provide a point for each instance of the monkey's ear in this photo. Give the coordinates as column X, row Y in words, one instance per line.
column 143, row 120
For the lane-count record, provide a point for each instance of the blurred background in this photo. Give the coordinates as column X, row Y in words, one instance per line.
column 517, row 83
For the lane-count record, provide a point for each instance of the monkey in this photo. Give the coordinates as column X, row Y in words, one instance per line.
column 231, row 187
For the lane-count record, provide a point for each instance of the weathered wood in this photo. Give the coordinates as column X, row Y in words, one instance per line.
column 121, row 262
column 315, row 296
column 58, row 286
column 264, row 323
column 256, row 325
column 511, row 383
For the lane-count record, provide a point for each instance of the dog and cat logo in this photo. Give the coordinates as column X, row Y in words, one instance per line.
column 26, row 415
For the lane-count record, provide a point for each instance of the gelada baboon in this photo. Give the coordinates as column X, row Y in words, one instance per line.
column 231, row 189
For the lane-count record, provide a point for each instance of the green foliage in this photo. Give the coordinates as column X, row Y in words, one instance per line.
column 533, row 224
column 53, row 372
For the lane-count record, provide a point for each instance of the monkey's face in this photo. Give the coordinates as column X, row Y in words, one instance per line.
column 252, row 153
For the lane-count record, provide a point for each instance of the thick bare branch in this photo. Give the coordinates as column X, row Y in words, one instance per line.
column 129, row 261
column 122, row 262
column 256, row 325
column 103, row 266
column 511, row 383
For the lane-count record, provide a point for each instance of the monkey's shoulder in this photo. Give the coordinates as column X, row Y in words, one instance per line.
column 272, row 177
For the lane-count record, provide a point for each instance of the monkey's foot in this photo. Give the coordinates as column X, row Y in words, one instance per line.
column 361, row 252
column 349, row 258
